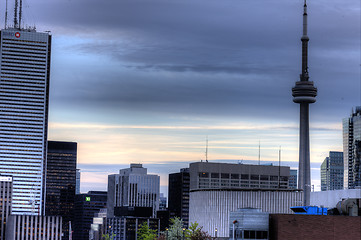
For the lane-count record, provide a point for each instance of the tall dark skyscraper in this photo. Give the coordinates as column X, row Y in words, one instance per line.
column 24, row 85
column 178, row 195
column 304, row 93
column 352, row 149
column 61, row 181
column 86, row 206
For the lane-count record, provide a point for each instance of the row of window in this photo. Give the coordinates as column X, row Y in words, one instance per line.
column 241, row 176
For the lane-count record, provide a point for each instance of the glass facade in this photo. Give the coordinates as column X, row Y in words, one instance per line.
column 352, row 149
column 24, row 87
column 332, row 174
column 178, row 193
column 61, row 181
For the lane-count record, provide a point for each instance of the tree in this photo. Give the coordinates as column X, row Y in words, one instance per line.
column 196, row 233
column 145, row 233
column 108, row 237
column 175, row 231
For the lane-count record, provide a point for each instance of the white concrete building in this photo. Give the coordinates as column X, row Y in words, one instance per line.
column 329, row 199
column 211, row 208
column 133, row 187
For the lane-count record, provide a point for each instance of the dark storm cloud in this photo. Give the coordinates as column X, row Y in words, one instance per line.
column 205, row 57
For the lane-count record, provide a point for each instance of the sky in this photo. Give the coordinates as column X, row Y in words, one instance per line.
column 148, row 81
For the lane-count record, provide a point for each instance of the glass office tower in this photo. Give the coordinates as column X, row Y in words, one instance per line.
column 352, row 149
column 24, row 97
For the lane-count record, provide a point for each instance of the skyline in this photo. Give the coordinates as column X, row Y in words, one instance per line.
column 148, row 81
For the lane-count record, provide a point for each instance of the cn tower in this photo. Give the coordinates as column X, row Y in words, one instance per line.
column 304, row 93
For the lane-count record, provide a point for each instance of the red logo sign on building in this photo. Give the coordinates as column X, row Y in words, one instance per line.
column 17, row 34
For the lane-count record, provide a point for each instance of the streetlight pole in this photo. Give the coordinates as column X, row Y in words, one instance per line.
column 216, row 233
column 234, row 222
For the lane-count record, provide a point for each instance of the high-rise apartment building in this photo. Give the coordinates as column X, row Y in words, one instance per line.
column 352, row 149
column 133, row 187
column 24, row 87
column 332, row 172
column 61, row 181
column 178, row 195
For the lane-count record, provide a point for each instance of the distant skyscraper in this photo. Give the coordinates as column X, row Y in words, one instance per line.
column 352, row 149
column 304, row 93
column 162, row 202
column 61, row 181
column 178, row 195
column 332, row 172
column 24, row 84
column 133, row 187
column 77, row 186
column 293, row 179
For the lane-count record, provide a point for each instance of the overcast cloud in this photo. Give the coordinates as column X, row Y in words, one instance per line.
column 194, row 62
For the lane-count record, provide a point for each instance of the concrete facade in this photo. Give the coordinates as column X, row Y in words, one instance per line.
column 304, row 93
column 6, row 188
column 34, row 227
column 329, row 199
column 133, row 187
column 211, row 208
column 210, row 175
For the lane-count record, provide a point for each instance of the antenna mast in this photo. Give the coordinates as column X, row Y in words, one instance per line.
column 259, row 152
column 279, row 167
column 16, row 14
column 6, row 14
column 207, row 149
column 20, row 12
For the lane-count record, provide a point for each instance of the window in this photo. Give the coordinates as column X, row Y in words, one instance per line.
column 264, row 177
column 224, row 175
column 244, row 176
column 214, row 175
column 203, row 175
column 254, row 177
column 234, row 176
column 274, row 178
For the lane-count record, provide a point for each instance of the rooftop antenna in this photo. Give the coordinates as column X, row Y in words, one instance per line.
column 279, row 167
column 16, row 14
column 6, row 14
column 259, row 152
column 20, row 12
column 207, row 149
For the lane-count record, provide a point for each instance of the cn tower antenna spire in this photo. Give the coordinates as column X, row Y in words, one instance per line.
column 304, row 93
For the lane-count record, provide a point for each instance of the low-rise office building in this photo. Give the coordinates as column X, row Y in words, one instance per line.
column 34, row 227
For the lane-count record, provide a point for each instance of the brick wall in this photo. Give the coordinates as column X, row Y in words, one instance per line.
column 311, row 227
